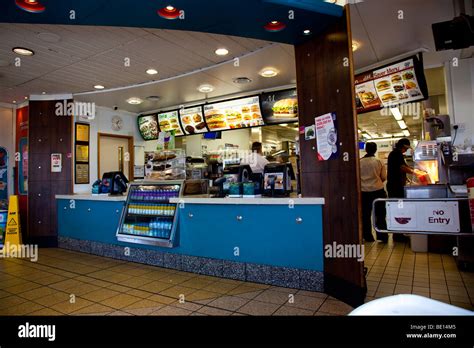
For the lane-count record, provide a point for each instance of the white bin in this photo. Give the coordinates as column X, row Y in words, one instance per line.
column 419, row 243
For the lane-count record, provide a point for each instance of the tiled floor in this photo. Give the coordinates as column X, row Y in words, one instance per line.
column 394, row 269
column 64, row 282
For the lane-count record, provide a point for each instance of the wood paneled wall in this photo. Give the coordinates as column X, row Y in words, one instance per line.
column 47, row 134
column 325, row 84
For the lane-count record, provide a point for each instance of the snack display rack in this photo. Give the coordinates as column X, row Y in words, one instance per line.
column 148, row 217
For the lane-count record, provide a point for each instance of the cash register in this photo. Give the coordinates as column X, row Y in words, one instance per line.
column 277, row 179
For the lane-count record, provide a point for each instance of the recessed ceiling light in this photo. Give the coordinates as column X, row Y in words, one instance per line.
column 23, row 51
column 406, row 132
column 152, row 71
column 241, row 80
column 205, row 88
column 307, row 32
column 26, row 98
column 170, row 8
column 14, row 102
column 43, row 92
column 99, row 87
column 396, row 114
column 222, row 51
column 134, row 101
column 31, row 6
column 274, row 26
column 153, row 98
column 268, row 72
column 355, row 46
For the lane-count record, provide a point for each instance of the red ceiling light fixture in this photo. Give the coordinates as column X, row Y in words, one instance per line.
column 31, row 6
column 275, row 26
column 169, row 12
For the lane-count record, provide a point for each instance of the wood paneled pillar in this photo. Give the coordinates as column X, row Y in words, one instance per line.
column 48, row 134
column 325, row 83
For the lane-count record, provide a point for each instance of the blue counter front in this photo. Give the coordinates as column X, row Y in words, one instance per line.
column 276, row 241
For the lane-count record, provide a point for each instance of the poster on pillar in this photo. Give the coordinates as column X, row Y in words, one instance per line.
column 3, row 178
column 326, row 137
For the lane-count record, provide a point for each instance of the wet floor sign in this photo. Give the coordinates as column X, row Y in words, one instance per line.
column 12, row 232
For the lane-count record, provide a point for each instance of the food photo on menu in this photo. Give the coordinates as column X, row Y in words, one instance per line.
column 280, row 107
column 397, row 83
column 148, row 127
column 234, row 114
column 168, row 121
column 192, row 120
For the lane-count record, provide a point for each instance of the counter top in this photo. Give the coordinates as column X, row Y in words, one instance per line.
column 257, row 201
column 91, row 197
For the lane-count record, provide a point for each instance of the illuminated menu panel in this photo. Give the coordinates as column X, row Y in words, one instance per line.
column 234, row 114
column 391, row 85
column 192, row 120
column 148, row 127
column 168, row 121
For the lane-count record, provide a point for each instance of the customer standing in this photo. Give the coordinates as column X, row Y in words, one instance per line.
column 372, row 176
column 397, row 175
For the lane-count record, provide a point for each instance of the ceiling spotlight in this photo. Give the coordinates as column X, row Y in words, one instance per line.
column 43, row 92
column 355, row 46
column 26, row 98
column 168, row 12
column 23, row 51
column 275, row 26
column 31, row 6
column 241, row 80
column 99, row 87
column 268, row 72
column 134, row 101
column 205, row 88
column 222, row 51
column 307, row 32
column 406, row 133
column 152, row 71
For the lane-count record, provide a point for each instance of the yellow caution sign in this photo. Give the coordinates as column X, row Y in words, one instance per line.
column 12, row 232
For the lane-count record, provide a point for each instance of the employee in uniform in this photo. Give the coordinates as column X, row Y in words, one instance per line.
column 372, row 176
column 257, row 161
column 397, row 174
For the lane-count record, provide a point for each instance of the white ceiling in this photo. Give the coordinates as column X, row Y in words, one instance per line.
column 86, row 56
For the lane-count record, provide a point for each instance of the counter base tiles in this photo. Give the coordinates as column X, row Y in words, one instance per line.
column 271, row 275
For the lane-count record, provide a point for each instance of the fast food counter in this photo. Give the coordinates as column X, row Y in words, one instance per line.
column 275, row 241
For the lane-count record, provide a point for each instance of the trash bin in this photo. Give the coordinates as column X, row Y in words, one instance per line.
column 419, row 243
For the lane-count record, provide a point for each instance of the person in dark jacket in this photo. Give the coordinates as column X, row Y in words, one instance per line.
column 397, row 170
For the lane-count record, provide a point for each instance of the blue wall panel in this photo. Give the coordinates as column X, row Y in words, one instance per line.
column 267, row 234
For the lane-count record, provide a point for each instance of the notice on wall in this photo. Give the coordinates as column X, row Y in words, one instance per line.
column 326, row 137
column 56, row 163
column 82, row 173
column 310, row 132
column 423, row 216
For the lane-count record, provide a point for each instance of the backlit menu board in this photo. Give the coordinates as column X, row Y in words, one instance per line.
column 280, row 107
column 234, row 114
column 401, row 82
column 168, row 121
column 148, row 127
column 192, row 120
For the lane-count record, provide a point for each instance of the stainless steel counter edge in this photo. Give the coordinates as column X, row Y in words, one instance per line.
column 90, row 197
column 259, row 201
